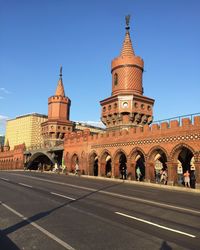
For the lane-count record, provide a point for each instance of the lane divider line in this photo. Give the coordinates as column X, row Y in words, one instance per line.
column 160, row 204
column 156, row 225
column 4, row 179
column 47, row 233
column 156, row 203
column 64, row 196
column 25, row 185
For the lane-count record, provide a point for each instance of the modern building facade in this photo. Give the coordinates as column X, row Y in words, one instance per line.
column 25, row 129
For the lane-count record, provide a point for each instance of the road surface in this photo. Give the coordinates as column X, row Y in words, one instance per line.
column 51, row 211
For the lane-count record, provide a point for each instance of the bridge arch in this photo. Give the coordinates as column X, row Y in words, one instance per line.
column 40, row 159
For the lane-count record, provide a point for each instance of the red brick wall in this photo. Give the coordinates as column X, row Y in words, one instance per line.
column 12, row 159
column 168, row 138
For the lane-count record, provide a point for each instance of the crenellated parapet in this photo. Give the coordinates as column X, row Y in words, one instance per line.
column 164, row 132
column 55, row 99
column 12, row 159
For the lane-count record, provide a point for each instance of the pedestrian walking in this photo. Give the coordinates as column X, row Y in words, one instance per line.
column 187, row 178
column 139, row 174
column 164, row 177
column 123, row 172
column 76, row 169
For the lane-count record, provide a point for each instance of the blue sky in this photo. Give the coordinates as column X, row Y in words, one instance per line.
column 36, row 37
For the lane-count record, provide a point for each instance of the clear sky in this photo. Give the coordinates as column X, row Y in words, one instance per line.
column 37, row 36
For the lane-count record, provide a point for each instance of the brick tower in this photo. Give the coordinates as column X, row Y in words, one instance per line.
column 58, row 123
column 127, row 106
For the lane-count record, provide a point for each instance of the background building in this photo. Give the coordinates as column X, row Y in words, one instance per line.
column 25, row 129
column 80, row 126
column 2, row 138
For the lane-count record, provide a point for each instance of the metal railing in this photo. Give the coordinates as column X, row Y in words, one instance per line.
column 178, row 118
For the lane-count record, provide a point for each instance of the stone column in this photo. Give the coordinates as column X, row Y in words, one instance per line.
column 102, row 169
column 172, row 173
column 116, row 170
column 133, row 170
column 197, row 174
column 130, row 170
column 150, row 171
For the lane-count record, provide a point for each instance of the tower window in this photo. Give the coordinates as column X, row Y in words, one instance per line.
column 115, row 79
column 149, row 108
column 142, row 106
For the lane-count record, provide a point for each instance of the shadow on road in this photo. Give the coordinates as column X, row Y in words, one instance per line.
column 165, row 246
column 6, row 243
column 27, row 221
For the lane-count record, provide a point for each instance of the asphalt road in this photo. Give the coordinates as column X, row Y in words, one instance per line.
column 51, row 211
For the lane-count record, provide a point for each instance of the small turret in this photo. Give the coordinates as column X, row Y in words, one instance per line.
column 6, row 146
column 58, row 123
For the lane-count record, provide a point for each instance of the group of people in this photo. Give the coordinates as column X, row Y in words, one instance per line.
column 161, row 176
column 59, row 168
column 62, row 169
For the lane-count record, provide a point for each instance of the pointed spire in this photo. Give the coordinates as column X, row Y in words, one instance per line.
column 60, row 88
column 7, row 143
column 127, row 49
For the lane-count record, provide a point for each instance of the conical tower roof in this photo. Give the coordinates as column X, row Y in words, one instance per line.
column 127, row 68
column 127, row 49
column 7, row 143
column 60, row 88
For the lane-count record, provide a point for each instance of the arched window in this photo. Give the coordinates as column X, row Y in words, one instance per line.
column 115, row 79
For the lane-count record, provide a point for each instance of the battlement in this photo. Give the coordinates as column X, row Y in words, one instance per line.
column 164, row 128
column 136, row 60
column 56, row 98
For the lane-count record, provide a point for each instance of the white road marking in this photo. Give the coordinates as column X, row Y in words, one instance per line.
column 47, row 233
column 25, row 185
column 160, row 204
column 59, row 183
column 64, row 196
column 4, row 179
column 156, row 225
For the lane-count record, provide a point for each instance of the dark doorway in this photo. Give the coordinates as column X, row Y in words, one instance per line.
column 140, row 163
column 122, row 166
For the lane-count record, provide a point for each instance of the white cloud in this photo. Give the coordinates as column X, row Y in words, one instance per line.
column 4, row 90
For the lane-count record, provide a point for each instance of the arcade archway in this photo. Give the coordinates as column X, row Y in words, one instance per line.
column 137, row 161
column 120, row 161
column 184, row 156
column 159, row 159
column 106, row 164
column 74, row 161
column 93, row 164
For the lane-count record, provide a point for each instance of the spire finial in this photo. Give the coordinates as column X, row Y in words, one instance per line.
column 61, row 71
column 127, row 22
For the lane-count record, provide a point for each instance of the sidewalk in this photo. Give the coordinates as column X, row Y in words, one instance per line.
column 142, row 183
column 150, row 184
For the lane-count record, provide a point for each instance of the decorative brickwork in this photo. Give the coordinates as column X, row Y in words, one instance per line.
column 127, row 107
column 13, row 159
